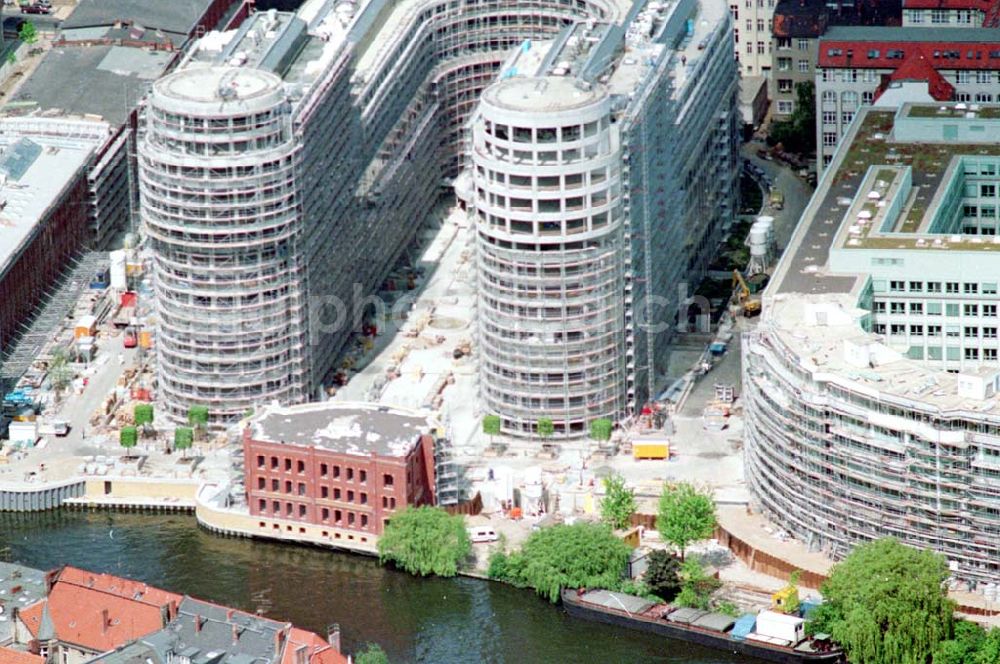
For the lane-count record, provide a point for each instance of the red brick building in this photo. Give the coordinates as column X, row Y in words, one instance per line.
column 339, row 465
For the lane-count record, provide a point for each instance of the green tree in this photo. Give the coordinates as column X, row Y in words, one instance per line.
column 886, row 604
column 183, row 439
column 27, row 33
column 662, row 576
column 546, row 427
column 696, row 586
column 198, row 419
column 143, row 414
column 60, row 372
column 964, row 645
column 491, row 426
column 618, row 504
column 371, row 654
column 583, row 555
column 989, row 648
column 798, row 132
column 128, row 437
column 425, row 540
column 686, row 515
column 600, row 429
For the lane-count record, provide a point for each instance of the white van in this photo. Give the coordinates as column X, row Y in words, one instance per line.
column 480, row 534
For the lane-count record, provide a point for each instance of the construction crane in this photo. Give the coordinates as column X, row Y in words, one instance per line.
column 742, row 293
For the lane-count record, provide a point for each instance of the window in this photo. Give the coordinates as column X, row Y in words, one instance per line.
column 325, row 514
column 897, row 329
column 784, row 85
column 337, row 494
column 990, row 354
column 878, row 328
column 785, row 107
column 951, row 310
column 897, row 286
column 784, row 64
column 302, row 489
column 879, row 307
column 972, row 353
column 846, row 117
column 970, row 289
column 970, row 332
column 971, row 310
column 897, row 307
column 990, row 310
column 262, row 505
column 917, row 330
column 274, row 463
column 916, row 286
column 324, row 492
column 829, row 117
column 951, row 331
column 951, row 287
column 288, row 465
column 962, row 76
column 302, row 511
column 288, row 486
column 350, row 496
column 934, row 330
column 260, row 461
column 829, row 139
column 323, row 470
column 275, row 485
column 387, row 480
column 916, row 307
column 803, row 66
column 939, row 16
column 867, row 97
column 261, row 483
column 933, row 308
column 987, row 190
column 784, row 43
column 803, row 44
column 933, row 286
column 934, row 353
column 829, row 97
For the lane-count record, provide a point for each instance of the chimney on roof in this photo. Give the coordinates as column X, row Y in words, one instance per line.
column 279, row 641
column 237, row 630
column 105, row 621
column 333, row 636
column 198, row 622
column 229, row 615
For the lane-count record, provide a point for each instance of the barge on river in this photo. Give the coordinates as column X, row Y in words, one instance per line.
column 713, row 630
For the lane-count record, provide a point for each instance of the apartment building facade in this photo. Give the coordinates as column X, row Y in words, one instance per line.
column 951, row 13
column 752, row 29
column 858, row 64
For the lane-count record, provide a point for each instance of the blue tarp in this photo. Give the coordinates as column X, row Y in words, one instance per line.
column 717, row 347
column 744, row 626
column 807, row 606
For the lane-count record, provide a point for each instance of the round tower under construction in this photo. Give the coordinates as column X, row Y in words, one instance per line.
column 220, row 206
column 551, row 255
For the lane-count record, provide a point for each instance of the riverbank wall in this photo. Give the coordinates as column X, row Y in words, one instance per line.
column 215, row 514
column 39, row 497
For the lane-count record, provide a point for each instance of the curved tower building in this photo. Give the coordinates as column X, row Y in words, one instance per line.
column 551, row 254
column 220, row 206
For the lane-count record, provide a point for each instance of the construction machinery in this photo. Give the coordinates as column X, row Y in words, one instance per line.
column 747, row 298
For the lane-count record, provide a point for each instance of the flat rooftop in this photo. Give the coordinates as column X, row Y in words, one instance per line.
column 35, row 171
column 548, row 94
column 348, row 428
column 175, row 16
column 104, row 81
column 872, row 145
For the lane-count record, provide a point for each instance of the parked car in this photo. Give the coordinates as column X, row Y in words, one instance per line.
column 482, row 534
column 36, row 9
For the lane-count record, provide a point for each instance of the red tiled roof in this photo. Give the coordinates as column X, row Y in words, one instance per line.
column 918, row 68
column 99, row 611
column 320, row 652
column 31, row 616
column 9, row 656
column 833, row 54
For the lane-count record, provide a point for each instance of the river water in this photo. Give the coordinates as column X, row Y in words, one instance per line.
column 416, row 620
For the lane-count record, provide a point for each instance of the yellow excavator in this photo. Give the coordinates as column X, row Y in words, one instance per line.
column 749, row 302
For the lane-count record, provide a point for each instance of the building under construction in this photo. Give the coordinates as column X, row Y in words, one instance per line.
column 871, row 383
column 288, row 164
column 604, row 165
